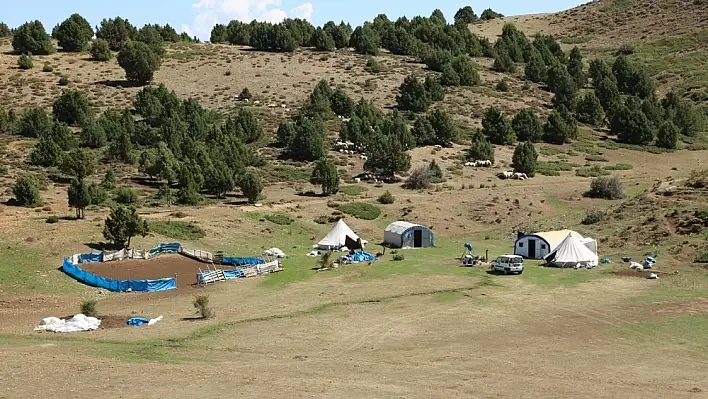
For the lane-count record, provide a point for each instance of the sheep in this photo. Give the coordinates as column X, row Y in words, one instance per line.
column 357, row 180
column 257, row 102
column 282, row 105
column 364, row 158
column 341, row 150
column 245, row 99
column 438, row 146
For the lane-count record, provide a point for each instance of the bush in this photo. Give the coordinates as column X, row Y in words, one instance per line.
column 365, row 40
column 619, row 166
column 419, row 179
column 361, row 210
column 245, row 94
column 101, row 50
column 88, row 308
column 97, row 194
column 282, row 219
column 386, row 198
column 481, row 149
column 72, row 108
column 503, row 63
column 589, row 110
column 32, row 38
column 593, row 171
column 308, row 142
column 490, row 14
column 596, row 158
column 465, row 69
column 53, row 219
column 79, row 197
column 436, row 59
column 398, row 257
column 201, row 303
column 502, row 85
column 63, row 81
column 609, row 188
column 593, row 216
column 667, row 136
column 122, row 224
column 698, row 179
column 35, row 122
column 74, row 33
column 26, row 191
column 126, row 196
column 372, row 66
column 139, row 62
column 177, row 229
column 47, row 67
column 25, row 62
column 702, row 258
column 560, row 127
column 465, row 15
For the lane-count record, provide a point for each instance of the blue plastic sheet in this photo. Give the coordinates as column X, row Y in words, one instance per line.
column 88, row 258
column 165, row 248
column 242, row 261
column 137, row 321
column 359, row 257
column 232, row 274
column 87, row 278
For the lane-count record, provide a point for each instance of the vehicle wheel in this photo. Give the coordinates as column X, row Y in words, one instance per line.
column 506, row 271
column 519, row 273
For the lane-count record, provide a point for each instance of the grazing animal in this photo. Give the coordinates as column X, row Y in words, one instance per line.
column 358, row 180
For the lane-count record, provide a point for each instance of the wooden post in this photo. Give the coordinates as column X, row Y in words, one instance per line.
column 486, row 255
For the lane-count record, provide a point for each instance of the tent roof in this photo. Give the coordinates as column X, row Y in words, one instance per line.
column 337, row 237
column 571, row 250
column 400, row 227
column 554, row 238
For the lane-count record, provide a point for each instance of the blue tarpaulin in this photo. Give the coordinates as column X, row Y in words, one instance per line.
column 85, row 277
column 242, row 261
column 232, row 274
column 87, row 258
column 359, row 257
column 137, row 321
column 172, row 247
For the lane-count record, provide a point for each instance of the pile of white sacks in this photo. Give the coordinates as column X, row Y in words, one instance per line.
column 274, row 252
column 75, row 324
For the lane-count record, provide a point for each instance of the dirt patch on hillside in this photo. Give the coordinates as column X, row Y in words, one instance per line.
column 164, row 266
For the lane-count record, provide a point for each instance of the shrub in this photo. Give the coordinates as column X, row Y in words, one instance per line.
column 78, row 163
column 502, row 85
column 25, row 62
column 32, row 38
column 97, row 194
column 596, row 158
column 101, row 50
column 308, row 142
column 282, row 219
column 702, row 258
column 524, row 158
column 74, row 33
column 619, row 166
column 126, row 196
column 47, row 67
column 698, row 179
column 53, row 219
column 372, row 66
column 609, row 188
column 386, row 198
column 35, row 122
column 465, row 69
column 26, row 191
column 465, row 15
column 177, row 229
column 88, row 308
column 201, row 303
column 449, row 76
column 420, row 178
column 365, row 40
column 398, row 257
column 245, row 94
column 361, row 210
column 63, row 81
column 594, row 215
column 72, row 108
column 109, row 180
column 593, row 171
column 139, row 62
column 436, row 59
column 490, row 14
column 47, row 153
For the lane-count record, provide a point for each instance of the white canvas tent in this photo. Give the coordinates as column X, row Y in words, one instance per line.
column 571, row 252
column 339, row 237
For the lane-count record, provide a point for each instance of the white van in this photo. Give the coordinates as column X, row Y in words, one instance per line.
column 508, row 264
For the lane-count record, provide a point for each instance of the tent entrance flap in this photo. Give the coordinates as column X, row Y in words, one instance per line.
column 352, row 243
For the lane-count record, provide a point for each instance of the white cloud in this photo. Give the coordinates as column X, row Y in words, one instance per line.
column 303, row 11
column 210, row 12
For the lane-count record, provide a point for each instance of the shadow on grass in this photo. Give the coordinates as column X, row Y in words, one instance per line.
column 193, row 318
column 103, row 246
column 118, row 83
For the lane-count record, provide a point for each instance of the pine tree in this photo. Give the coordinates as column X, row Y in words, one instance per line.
column 589, row 110
column 524, row 159
column 325, row 174
column 575, row 68
column 79, row 197
column 560, row 127
column 481, row 149
column 497, row 127
column 251, row 186
column 668, row 134
column 527, row 126
column 123, row 224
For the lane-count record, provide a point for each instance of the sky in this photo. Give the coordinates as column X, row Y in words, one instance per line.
column 197, row 17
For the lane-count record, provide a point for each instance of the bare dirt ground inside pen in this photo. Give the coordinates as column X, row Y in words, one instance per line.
column 164, row 266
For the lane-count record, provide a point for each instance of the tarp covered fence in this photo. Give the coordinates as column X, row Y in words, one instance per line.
column 233, row 261
column 85, row 277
